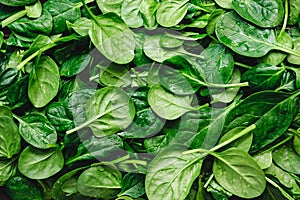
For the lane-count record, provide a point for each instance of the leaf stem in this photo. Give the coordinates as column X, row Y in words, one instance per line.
column 77, row 128
column 286, row 15
column 219, row 146
column 13, row 18
column 242, row 65
column 283, row 192
column 213, row 85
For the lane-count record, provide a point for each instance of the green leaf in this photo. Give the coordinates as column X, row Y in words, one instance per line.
column 264, row 160
column 35, row 10
column 16, row 2
column 171, row 12
column 284, row 178
column 286, row 158
column 264, row 76
column 277, row 57
column 75, row 64
column 59, row 188
column 7, row 169
column 109, row 110
column 168, row 105
column 228, row 94
column 130, row 13
column 148, row 11
column 61, row 11
column 218, row 64
column 294, row 12
column 115, row 75
column 43, row 82
column 113, row 38
column 107, row 6
column 171, row 174
column 59, row 116
column 133, row 185
column 238, row 173
column 266, row 106
column 98, row 148
column 20, row 188
column 243, row 143
column 10, row 140
column 37, row 130
column 227, row 4
column 292, row 58
column 32, row 28
column 40, row 163
column 263, row 13
column 100, row 182
column 244, row 38
column 81, row 26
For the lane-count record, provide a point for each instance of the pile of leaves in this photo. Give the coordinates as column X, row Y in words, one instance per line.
column 150, row 99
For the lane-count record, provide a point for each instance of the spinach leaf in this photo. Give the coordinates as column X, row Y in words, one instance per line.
column 20, row 188
column 107, row 6
column 168, row 105
column 32, row 28
column 59, row 192
column 81, row 26
column 133, row 185
column 171, row 174
column 148, row 10
column 266, row 106
column 100, row 182
column 98, row 148
column 16, row 2
column 287, row 159
column 75, row 65
column 292, row 58
column 294, row 12
column 115, row 75
column 260, row 12
column 61, row 11
column 7, row 169
column 40, row 163
column 130, row 13
column 170, row 12
column 264, row 160
column 108, row 111
column 10, row 140
column 264, row 76
column 44, row 78
column 113, row 38
column 59, row 116
column 244, row 38
column 238, row 173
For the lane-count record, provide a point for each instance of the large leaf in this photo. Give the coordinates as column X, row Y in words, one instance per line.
column 171, row 12
column 37, row 130
column 171, row 174
column 272, row 112
column 10, row 140
column 40, row 163
column 43, row 82
column 263, row 13
column 243, row 37
column 238, row 173
column 100, row 182
column 109, row 110
column 168, row 105
column 113, row 38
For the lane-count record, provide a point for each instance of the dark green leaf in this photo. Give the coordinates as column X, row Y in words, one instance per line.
column 75, row 65
column 7, row 169
column 133, row 185
column 17, row 2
